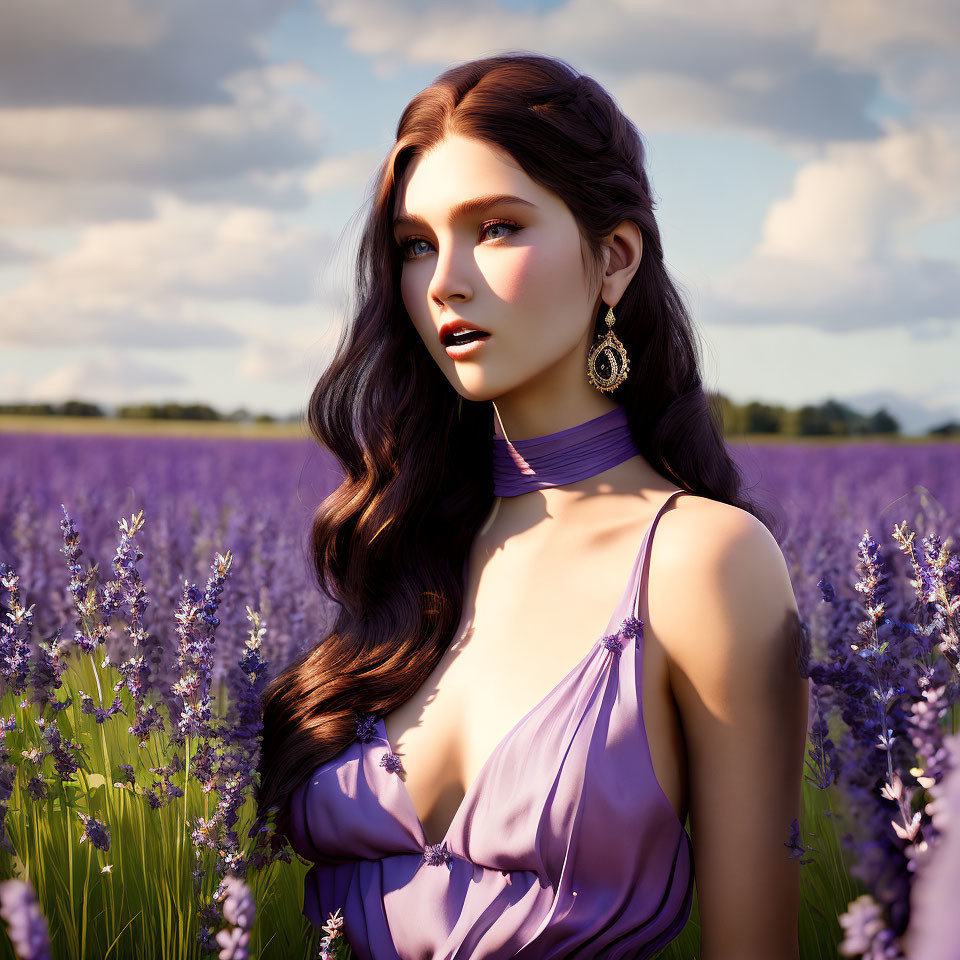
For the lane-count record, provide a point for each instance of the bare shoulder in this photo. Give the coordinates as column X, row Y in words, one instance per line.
column 718, row 584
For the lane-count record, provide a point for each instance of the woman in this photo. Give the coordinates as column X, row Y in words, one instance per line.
column 495, row 751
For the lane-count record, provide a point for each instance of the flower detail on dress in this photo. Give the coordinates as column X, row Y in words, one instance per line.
column 436, row 854
column 391, row 761
column 612, row 643
column 632, row 627
column 366, row 727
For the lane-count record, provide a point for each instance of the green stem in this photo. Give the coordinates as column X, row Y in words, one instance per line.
column 69, row 841
column 86, row 888
column 844, row 876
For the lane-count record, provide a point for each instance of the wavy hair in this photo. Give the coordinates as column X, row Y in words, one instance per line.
column 391, row 543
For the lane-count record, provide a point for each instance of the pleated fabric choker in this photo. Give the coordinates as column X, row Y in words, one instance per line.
column 566, row 456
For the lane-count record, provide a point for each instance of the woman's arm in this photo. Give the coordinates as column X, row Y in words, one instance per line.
column 722, row 606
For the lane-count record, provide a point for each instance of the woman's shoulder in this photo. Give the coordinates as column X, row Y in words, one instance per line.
column 715, row 570
column 699, row 531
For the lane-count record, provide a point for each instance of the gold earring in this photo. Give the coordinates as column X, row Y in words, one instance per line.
column 608, row 363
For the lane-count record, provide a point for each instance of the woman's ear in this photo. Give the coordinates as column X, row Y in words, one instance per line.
column 622, row 253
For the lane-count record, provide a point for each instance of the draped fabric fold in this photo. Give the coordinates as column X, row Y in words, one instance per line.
column 563, row 457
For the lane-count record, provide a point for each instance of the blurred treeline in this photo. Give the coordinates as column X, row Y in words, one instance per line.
column 830, row 419
column 142, row 411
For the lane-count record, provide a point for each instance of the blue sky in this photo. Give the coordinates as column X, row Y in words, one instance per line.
column 182, row 184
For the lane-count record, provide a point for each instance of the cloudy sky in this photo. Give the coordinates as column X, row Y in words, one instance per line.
column 181, row 184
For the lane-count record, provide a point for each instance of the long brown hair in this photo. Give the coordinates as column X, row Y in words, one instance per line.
column 390, row 544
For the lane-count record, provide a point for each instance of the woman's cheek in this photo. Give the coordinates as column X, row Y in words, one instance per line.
column 514, row 274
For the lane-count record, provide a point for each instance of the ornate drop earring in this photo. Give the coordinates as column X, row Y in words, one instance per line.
column 608, row 363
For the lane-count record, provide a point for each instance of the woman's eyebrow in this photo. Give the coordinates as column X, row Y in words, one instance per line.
column 464, row 207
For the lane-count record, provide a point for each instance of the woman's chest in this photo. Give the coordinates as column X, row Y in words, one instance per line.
column 532, row 611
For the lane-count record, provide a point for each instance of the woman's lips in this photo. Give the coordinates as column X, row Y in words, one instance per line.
column 466, row 351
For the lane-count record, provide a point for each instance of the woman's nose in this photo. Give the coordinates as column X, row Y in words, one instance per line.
column 451, row 275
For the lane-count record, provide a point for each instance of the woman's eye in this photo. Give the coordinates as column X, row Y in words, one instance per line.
column 494, row 224
column 407, row 246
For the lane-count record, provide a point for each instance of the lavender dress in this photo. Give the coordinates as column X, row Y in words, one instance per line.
column 565, row 846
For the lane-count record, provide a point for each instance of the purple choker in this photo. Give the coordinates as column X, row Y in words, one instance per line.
column 562, row 457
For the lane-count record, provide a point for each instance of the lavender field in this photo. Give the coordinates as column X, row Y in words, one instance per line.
column 253, row 497
column 234, row 514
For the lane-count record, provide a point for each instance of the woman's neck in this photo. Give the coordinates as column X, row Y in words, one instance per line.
column 566, row 456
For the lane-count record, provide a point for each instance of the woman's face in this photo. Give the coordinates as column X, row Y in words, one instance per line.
column 511, row 267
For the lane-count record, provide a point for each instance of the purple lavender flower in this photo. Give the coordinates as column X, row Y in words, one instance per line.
column 95, row 832
column 15, row 626
column 164, row 791
column 197, row 626
column 823, row 752
column 867, row 677
column 127, row 589
column 239, row 910
column 932, row 931
column 8, row 773
column 239, row 907
column 127, row 773
column 795, row 845
column 246, row 686
column 48, row 667
column 101, row 714
column 37, row 788
column 63, row 763
column 827, row 591
column 25, row 921
column 861, row 923
column 234, row 943
column 89, row 634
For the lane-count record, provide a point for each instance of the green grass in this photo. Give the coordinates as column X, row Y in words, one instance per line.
column 145, row 906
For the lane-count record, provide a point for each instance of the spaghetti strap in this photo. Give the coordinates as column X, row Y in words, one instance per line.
column 645, row 551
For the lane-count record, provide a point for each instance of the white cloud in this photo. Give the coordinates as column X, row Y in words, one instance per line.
column 294, row 355
column 12, row 252
column 116, row 52
column 14, row 385
column 163, row 282
column 106, row 102
column 154, row 144
column 835, row 253
column 354, row 169
column 752, row 66
column 112, row 378
column 800, row 73
column 47, row 27
column 914, row 46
